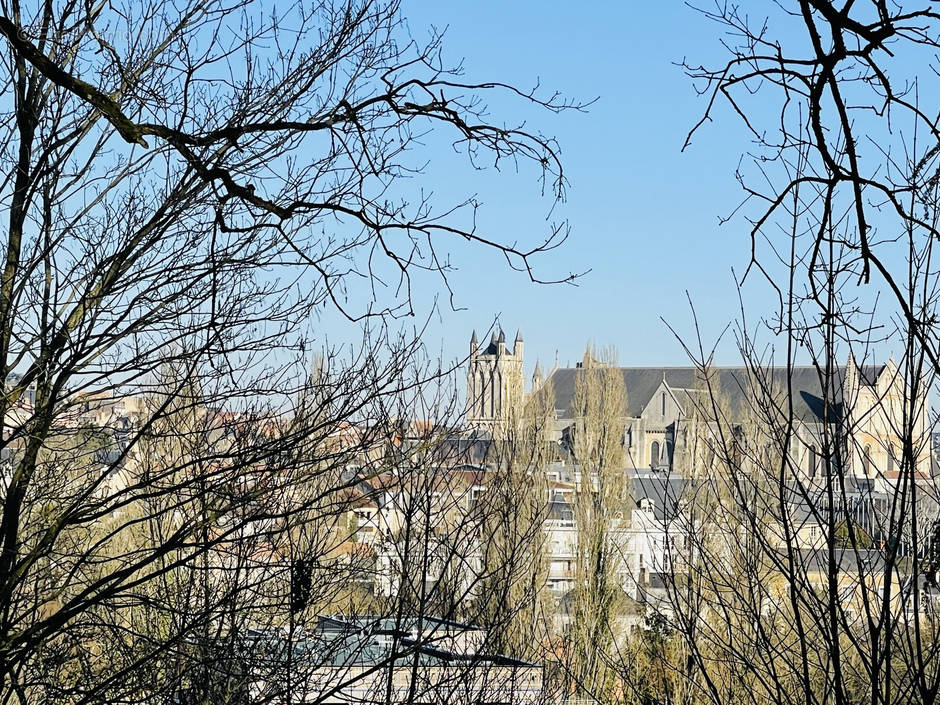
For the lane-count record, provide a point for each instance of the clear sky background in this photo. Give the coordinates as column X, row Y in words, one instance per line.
column 644, row 215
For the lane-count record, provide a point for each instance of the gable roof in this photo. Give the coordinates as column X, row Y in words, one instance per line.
column 734, row 383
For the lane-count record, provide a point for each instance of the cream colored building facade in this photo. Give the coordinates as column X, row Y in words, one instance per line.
column 495, row 385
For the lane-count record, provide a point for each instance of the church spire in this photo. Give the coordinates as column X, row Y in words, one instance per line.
column 537, row 377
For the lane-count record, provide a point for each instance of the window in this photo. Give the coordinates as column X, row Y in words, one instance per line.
column 890, row 457
column 866, row 461
column 654, row 453
column 664, row 404
column 813, row 462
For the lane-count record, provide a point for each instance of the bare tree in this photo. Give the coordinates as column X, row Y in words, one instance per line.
column 600, row 508
column 188, row 188
column 812, row 582
column 513, row 596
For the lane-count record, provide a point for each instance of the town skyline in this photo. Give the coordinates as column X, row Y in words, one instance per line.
column 397, row 351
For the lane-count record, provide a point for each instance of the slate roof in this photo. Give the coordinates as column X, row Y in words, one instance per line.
column 357, row 640
column 664, row 489
column 667, row 489
column 846, row 559
column 733, row 382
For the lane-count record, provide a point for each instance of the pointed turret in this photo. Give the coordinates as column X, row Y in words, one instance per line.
column 501, row 343
column 588, row 360
column 517, row 347
column 851, row 387
column 537, row 377
column 889, row 376
column 474, row 343
column 851, row 375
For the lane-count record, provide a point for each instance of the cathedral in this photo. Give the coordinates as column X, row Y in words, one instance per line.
column 869, row 408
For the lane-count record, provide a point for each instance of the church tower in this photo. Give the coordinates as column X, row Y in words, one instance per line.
column 494, row 381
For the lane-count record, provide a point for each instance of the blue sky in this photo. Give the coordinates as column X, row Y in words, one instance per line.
column 644, row 215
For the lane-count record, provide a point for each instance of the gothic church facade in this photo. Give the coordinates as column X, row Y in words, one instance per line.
column 871, row 409
column 495, row 385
